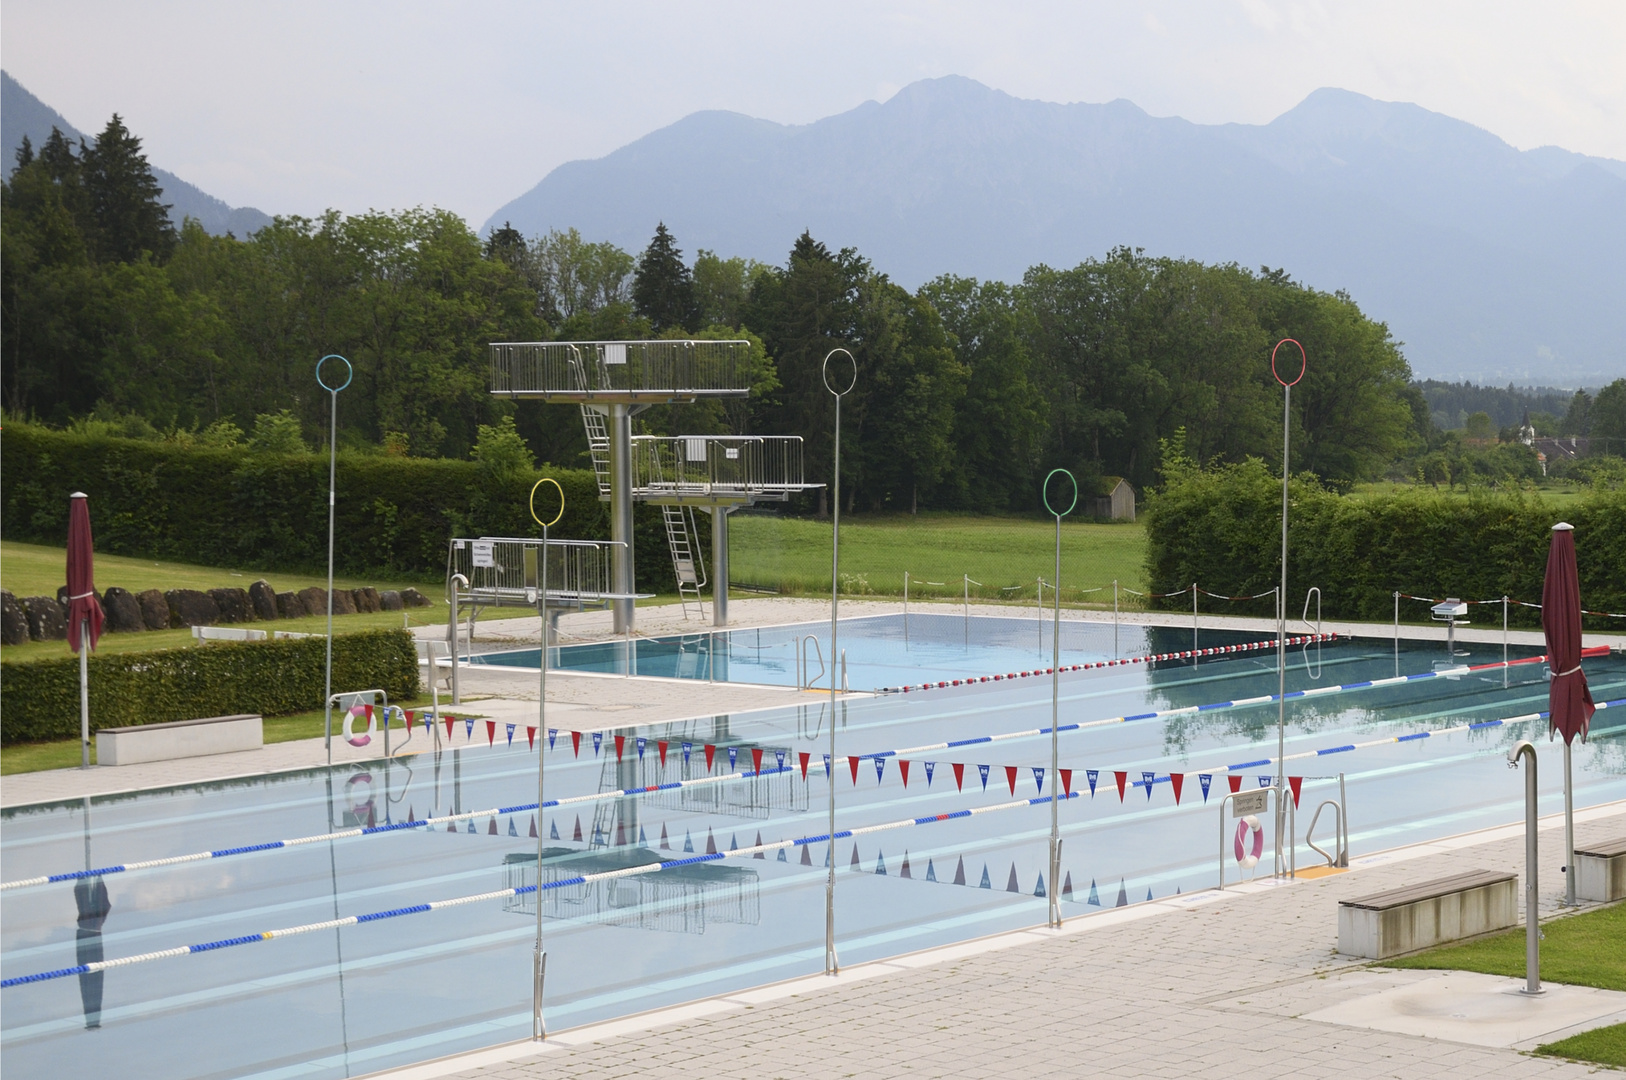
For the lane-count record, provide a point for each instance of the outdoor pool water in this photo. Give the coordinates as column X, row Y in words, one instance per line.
column 352, row 1000
column 881, row 650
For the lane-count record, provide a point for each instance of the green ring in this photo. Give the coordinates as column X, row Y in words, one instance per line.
column 1044, row 492
column 560, row 514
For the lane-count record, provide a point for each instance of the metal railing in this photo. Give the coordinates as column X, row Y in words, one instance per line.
column 607, row 370
column 502, row 571
column 717, row 465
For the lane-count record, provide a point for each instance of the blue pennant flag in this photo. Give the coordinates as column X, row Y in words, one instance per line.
column 1264, row 781
column 930, row 765
column 827, row 766
column 779, row 760
column 688, row 842
column 1094, row 775
column 468, row 729
column 641, row 742
column 1095, row 897
column 982, row 770
column 1148, row 779
column 553, row 733
column 510, row 734
column 1207, row 782
column 688, row 746
column 598, row 741
column 733, row 756
column 1038, row 779
column 880, row 767
column 553, row 831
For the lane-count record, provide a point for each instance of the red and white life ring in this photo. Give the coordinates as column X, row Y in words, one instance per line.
column 349, row 725
column 1248, row 859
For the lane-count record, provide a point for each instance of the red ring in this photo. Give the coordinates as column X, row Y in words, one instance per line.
column 1304, row 362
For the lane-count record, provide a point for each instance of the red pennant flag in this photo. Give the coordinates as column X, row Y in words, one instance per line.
column 578, row 833
column 493, row 830
column 1236, row 783
column 533, row 828
column 805, row 756
column 449, row 722
column 756, row 759
column 1121, row 777
column 1010, row 775
column 854, row 763
column 1296, row 783
column 408, row 715
column 491, row 732
column 662, row 747
column 959, row 776
column 1066, row 781
column 711, row 752
column 620, row 744
column 576, row 743
column 369, row 708
column 903, row 767
column 1176, row 781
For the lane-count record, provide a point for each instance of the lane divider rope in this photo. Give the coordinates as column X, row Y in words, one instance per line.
column 747, row 774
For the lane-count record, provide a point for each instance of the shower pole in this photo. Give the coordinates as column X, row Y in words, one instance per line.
column 831, row 964
column 1281, row 591
column 1054, row 892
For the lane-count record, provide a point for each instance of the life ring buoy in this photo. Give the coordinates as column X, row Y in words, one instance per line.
column 349, row 725
column 1245, row 858
column 361, row 784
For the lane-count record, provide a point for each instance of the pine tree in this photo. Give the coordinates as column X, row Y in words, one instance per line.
column 123, row 198
column 662, row 287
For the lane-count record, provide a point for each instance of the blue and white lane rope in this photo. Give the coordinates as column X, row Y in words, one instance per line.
column 522, row 890
column 744, row 774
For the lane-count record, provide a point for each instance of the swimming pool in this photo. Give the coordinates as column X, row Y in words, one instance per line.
column 879, row 651
column 359, row 998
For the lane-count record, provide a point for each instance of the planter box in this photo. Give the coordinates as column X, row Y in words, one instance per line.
column 180, row 739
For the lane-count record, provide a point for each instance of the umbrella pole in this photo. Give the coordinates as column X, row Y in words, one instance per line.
column 84, row 694
column 1569, row 831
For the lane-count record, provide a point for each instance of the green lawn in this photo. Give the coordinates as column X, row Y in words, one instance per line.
column 1581, row 950
column 1554, row 492
column 793, row 555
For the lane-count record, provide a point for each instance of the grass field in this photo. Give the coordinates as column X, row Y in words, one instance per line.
column 35, row 570
column 793, row 555
column 1581, row 950
column 1555, row 492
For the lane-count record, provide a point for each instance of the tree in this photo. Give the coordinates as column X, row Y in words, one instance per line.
column 1578, row 418
column 123, row 198
column 662, row 287
column 1480, row 427
column 1609, row 419
column 722, row 287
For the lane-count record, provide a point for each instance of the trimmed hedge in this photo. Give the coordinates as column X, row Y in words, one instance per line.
column 236, row 508
column 39, row 699
column 1221, row 527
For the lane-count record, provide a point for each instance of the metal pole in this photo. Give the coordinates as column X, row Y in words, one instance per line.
column 1115, row 618
column 1053, row 893
column 539, row 959
column 1504, row 642
column 832, row 963
column 84, row 694
column 1569, row 830
column 621, row 515
column 1281, row 590
column 332, row 503
column 1532, row 933
column 1194, row 621
column 719, row 566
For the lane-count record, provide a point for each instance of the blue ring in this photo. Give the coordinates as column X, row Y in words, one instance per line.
column 1044, row 492
column 349, row 373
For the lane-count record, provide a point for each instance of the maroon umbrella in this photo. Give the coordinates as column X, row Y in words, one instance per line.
column 1569, row 700
column 82, row 602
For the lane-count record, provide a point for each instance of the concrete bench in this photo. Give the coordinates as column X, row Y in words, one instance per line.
column 227, row 633
column 1600, row 871
column 1420, row 916
column 178, row 739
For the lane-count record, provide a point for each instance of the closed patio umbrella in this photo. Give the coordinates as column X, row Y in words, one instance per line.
column 1569, row 702
column 84, row 609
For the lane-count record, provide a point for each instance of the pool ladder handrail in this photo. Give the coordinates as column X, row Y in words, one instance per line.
column 803, row 682
column 1341, row 841
column 1284, row 805
column 1304, row 617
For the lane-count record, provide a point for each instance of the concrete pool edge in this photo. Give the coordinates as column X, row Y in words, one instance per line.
column 634, row 1023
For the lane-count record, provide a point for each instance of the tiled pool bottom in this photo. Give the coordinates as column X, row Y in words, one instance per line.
column 356, row 999
column 881, row 651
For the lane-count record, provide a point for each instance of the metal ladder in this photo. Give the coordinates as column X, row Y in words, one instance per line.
column 598, row 446
column 687, row 565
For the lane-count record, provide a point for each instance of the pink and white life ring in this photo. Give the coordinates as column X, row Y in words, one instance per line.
column 1248, row 859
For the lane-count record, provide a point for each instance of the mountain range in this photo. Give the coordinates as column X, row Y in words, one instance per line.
column 1487, row 262
column 21, row 113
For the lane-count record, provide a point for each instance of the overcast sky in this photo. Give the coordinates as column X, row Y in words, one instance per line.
column 297, row 106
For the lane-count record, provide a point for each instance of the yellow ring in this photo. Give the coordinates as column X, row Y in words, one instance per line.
column 556, row 517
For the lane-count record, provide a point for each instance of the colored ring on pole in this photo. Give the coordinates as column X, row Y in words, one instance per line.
column 556, row 517
column 824, row 372
column 349, row 373
column 1304, row 361
column 1044, row 493
column 1249, row 824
